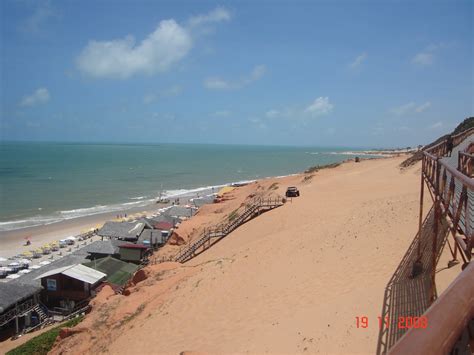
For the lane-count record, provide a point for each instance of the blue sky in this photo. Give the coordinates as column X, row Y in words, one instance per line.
column 322, row 73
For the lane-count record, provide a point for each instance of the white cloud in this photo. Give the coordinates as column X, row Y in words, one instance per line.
column 216, row 83
column 423, row 107
column 158, row 52
column 35, row 23
column 423, row 58
column 427, row 56
column 358, row 60
column 219, row 14
column 410, row 107
column 401, row 110
column 40, row 96
column 169, row 92
column 272, row 114
column 320, row 106
column 122, row 58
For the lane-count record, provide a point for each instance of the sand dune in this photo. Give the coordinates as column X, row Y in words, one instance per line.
column 290, row 281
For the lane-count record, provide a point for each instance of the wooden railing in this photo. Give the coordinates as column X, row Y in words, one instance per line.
column 466, row 161
column 18, row 310
column 440, row 149
column 254, row 207
column 447, row 322
column 451, row 189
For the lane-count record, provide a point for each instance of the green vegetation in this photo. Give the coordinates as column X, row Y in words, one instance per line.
column 464, row 125
column 273, row 186
column 43, row 343
column 233, row 215
column 307, row 178
column 315, row 169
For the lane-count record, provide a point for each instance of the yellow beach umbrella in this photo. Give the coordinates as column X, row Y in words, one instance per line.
column 225, row 190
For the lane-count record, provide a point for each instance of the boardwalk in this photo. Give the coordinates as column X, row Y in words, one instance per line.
column 408, row 296
column 453, row 162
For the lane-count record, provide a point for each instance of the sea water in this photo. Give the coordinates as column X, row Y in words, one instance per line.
column 42, row 183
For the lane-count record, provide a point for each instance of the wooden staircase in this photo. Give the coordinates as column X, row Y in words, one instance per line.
column 212, row 235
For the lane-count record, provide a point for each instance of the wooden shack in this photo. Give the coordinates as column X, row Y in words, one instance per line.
column 69, row 285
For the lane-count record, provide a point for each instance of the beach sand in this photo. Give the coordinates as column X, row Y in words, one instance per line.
column 12, row 242
column 292, row 280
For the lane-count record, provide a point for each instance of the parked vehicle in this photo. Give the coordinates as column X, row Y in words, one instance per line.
column 292, row 192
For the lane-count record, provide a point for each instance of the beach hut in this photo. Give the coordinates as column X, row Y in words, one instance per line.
column 17, row 303
column 68, row 285
column 118, row 272
column 133, row 252
column 103, row 248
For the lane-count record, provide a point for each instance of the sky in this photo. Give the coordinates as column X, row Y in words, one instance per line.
column 314, row 73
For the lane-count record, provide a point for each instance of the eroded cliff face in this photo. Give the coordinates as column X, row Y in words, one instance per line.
column 145, row 297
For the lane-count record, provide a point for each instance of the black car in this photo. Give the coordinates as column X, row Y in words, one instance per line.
column 292, row 192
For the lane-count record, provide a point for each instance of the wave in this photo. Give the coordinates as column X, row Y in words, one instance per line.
column 138, row 198
column 139, row 201
column 359, row 153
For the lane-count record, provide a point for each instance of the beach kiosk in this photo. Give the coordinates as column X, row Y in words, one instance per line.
column 66, row 286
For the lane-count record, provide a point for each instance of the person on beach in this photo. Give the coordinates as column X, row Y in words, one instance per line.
column 449, row 145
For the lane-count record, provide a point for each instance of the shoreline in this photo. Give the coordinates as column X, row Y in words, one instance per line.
column 12, row 241
column 24, row 221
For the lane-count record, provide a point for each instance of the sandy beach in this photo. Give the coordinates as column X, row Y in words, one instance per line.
column 290, row 281
column 12, row 242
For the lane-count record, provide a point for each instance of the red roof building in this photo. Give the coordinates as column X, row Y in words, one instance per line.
column 164, row 226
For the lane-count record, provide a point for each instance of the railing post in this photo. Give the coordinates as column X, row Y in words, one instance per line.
column 437, row 219
column 420, row 219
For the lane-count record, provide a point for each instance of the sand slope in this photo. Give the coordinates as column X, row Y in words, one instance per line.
column 292, row 280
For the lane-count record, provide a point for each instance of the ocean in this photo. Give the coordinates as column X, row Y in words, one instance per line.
column 43, row 183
